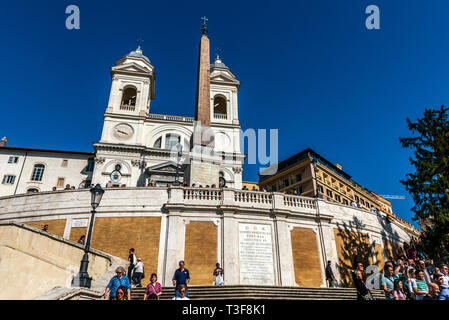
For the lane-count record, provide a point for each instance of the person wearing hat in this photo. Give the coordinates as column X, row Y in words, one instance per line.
column 138, row 273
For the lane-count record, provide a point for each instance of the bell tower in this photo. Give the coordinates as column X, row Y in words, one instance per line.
column 224, row 88
column 133, row 85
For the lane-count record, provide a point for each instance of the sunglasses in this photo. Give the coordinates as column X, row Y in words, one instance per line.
column 120, row 293
column 182, row 291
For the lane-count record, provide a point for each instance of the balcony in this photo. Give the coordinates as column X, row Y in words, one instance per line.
column 127, row 108
column 170, row 118
column 220, row 116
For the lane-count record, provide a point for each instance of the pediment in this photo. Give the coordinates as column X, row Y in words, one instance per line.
column 131, row 67
column 164, row 167
column 223, row 77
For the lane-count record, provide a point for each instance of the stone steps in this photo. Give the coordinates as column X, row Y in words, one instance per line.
column 261, row 292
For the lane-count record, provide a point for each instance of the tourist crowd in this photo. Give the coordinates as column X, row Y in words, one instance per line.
column 120, row 286
column 410, row 276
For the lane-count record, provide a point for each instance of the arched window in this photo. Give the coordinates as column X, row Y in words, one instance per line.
column 158, row 143
column 38, row 172
column 220, row 109
column 171, row 140
column 129, row 98
column 32, row 190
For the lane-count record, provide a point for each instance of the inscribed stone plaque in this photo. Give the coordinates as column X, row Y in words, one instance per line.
column 256, row 254
column 82, row 223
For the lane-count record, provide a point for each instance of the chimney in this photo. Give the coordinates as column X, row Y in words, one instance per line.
column 3, row 142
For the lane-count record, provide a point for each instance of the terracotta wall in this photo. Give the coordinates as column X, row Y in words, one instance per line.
column 55, row 227
column 201, row 252
column 346, row 240
column 305, row 258
column 117, row 235
column 76, row 233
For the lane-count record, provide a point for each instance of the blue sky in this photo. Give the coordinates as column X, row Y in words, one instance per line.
column 308, row 68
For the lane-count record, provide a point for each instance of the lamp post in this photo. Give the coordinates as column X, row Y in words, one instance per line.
column 82, row 279
column 179, row 147
column 320, row 228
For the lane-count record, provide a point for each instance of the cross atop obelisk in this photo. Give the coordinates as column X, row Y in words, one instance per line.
column 204, row 28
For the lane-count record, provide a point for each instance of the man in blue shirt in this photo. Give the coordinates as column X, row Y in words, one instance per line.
column 387, row 282
column 119, row 280
column 181, row 276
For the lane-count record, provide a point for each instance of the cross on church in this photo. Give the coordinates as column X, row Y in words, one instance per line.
column 217, row 52
column 140, row 41
column 204, row 28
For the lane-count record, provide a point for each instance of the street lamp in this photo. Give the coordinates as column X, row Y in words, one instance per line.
column 179, row 147
column 82, row 279
column 320, row 228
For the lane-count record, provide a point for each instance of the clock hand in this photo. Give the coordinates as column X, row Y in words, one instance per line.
column 122, row 132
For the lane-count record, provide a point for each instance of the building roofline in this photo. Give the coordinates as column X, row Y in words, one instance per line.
column 47, row 151
column 302, row 155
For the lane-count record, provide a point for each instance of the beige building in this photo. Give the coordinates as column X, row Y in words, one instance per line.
column 298, row 175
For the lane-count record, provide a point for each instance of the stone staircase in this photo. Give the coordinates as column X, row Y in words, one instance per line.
column 260, row 293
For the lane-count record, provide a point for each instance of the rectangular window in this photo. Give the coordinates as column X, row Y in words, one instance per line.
column 60, row 183
column 7, row 179
column 329, row 193
column 356, row 198
column 298, row 177
column 345, row 202
column 286, row 183
column 337, row 197
column 362, row 201
column 299, row 191
column 90, row 165
column 38, row 172
column 367, row 204
column 320, row 189
column 13, row 159
column 64, row 163
column 273, row 188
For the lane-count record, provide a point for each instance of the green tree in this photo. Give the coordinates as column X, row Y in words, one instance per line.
column 429, row 184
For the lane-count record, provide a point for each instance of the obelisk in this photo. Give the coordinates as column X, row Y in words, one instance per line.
column 203, row 135
column 204, row 165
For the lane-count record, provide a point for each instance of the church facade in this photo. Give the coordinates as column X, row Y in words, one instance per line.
column 145, row 145
column 136, row 147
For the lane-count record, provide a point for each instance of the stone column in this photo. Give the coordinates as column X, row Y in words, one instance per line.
column 287, row 269
column 174, row 251
column 230, row 238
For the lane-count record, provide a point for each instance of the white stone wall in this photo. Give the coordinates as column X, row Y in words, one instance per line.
column 226, row 208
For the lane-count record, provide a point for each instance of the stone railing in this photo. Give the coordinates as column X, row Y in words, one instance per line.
column 299, row 202
column 127, row 108
column 240, row 198
column 170, row 118
column 220, row 116
column 253, row 197
column 202, row 194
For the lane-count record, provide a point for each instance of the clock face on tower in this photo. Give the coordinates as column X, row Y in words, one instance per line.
column 123, row 131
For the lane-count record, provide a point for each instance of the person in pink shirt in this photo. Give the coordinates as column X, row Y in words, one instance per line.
column 153, row 288
column 398, row 292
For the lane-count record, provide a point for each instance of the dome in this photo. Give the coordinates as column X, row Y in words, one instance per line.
column 138, row 53
column 218, row 63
